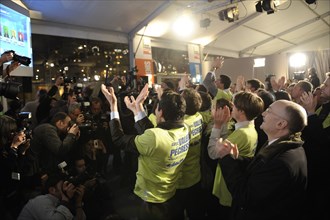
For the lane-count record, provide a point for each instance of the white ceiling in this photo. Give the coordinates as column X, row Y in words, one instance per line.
column 296, row 26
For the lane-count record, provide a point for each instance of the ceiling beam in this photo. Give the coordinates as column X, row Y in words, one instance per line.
column 313, row 11
column 303, row 42
column 277, row 36
column 215, row 6
column 233, row 27
column 150, row 17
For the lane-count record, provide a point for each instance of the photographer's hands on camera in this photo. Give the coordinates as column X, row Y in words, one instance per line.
column 70, row 191
column 74, row 129
column 20, row 140
column 6, row 57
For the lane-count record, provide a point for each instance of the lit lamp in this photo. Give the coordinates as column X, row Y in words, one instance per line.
column 229, row 14
column 266, row 5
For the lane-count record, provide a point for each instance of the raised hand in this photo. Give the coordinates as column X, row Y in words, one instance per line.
column 184, row 81
column 277, row 85
column 110, row 96
column 226, row 147
column 130, row 103
column 309, row 102
column 240, row 83
column 221, row 116
column 218, row 62
column 19, row 139
column 141, row 98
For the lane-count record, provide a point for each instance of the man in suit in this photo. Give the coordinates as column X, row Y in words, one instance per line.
column 271, row 185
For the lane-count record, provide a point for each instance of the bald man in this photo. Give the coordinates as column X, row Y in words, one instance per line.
column 272, row 184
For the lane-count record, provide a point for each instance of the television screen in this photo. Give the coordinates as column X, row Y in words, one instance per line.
column 15, row 34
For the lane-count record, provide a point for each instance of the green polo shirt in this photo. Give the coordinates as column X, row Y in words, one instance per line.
column 246, row 139
column 161, row 155
column 191, row 170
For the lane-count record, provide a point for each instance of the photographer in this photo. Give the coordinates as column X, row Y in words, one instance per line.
column 97, row 199
column 62, row 201
column 13, row 145
column 52, row 143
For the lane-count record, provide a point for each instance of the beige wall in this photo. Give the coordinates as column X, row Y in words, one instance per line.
column 274, row 64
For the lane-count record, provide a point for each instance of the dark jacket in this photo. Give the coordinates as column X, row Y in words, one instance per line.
column 47, row 149
column 269, row 186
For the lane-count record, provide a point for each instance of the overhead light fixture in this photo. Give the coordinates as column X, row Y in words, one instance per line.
column 266, row 5
column 204, row 23
column 230, row 14
column 310, row 1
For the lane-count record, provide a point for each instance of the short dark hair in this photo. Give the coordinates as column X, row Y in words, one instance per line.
column 225, row 80
column 267, row 97
column 193, row 101
column 296, row 119
column 250, row 103
column 280, row 95
column 222, row 102
column 305, row 85
column 255, row 83
column 59, row 116
column 172, row 105
column 52, row 180
column 206, row 101
column 7, row 126
column 201, row 88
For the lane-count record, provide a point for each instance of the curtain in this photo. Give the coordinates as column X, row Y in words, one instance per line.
column 321, row 62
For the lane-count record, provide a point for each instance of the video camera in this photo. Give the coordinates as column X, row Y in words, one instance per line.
column 10, row 89
column 24, row 122
column 81, row 178
column 21, row 59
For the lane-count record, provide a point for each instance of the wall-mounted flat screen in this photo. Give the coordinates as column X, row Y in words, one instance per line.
column 15, row 34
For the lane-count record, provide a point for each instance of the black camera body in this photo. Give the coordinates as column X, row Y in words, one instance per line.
column 24, row 122
column 21, row 59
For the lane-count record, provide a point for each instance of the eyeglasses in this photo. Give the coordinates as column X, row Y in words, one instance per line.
column 268, row 110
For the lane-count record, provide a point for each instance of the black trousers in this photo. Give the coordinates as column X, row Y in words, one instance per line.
column 191, row 200
column 157, row 211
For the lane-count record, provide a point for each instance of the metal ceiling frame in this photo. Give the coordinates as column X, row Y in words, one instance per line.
column 277, row 36
column 142, row 24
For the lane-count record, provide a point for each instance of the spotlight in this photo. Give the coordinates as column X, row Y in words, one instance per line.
column 310, row 1
column 266, row 5
column 204, row 23
column 229, row 14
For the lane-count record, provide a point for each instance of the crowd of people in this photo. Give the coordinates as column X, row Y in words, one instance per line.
column 217, row 150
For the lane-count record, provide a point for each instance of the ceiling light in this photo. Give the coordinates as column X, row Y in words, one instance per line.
column 266, row 5
column 310, row 1
column 229, row 14
column 183, row 26
column 298, row 60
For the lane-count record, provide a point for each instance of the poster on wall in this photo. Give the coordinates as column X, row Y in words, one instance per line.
column 194, row 53
column 195, row 72
column 145, row 68
column 142, row 48
column 146, row 46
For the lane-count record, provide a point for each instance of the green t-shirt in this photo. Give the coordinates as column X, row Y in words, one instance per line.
column 161, row 155
column 246, row 139
column 326, row 122
column 223, row 94
column 191, row 170
column 153, row 119
column 207, row 120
